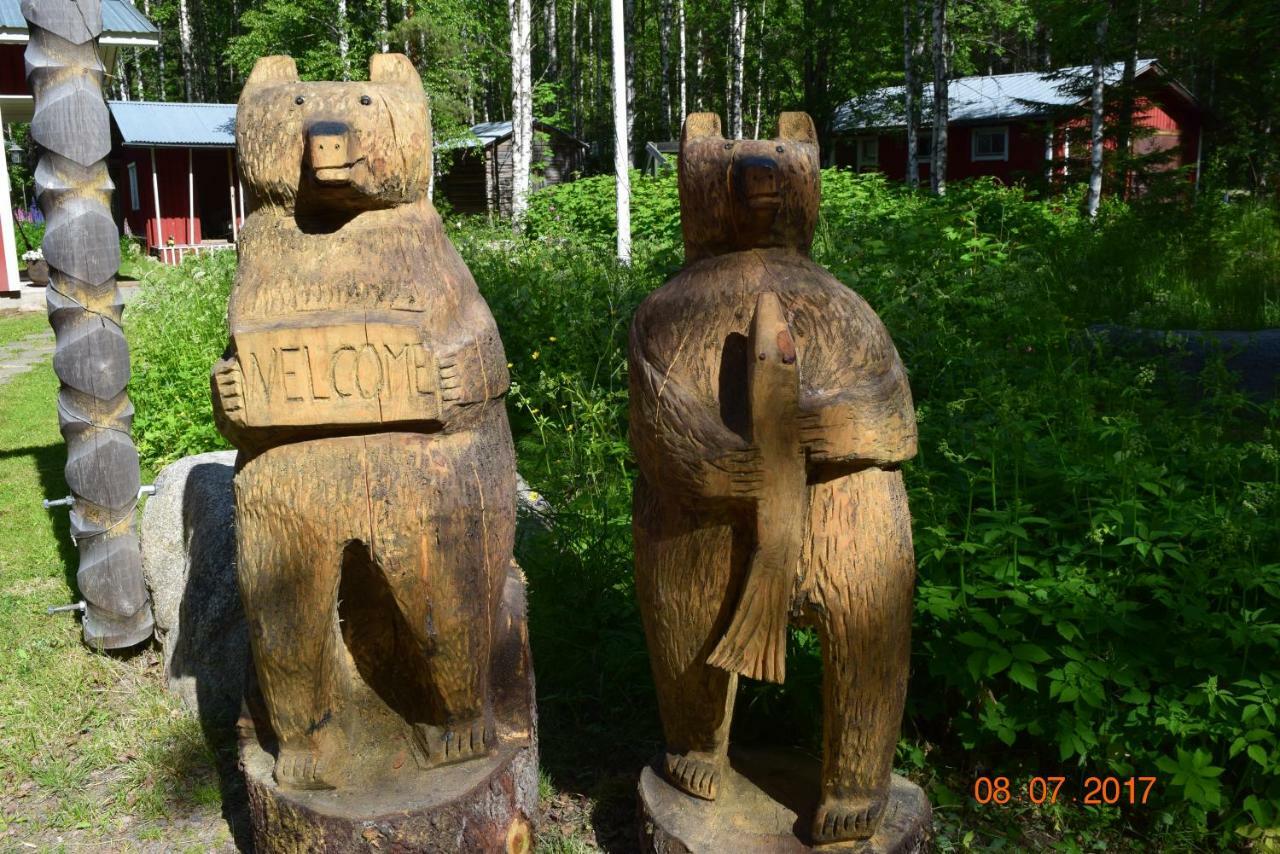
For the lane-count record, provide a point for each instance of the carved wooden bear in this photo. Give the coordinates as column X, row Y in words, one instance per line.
column 364, row 387
column 769, row 415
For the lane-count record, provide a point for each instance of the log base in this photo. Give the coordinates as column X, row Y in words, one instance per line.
column 766, row 803
column 486, row 805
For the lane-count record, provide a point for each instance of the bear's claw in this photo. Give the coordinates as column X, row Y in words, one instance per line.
column 695, row 773
column 300, row 768
column 447, row 745
column 845, row 819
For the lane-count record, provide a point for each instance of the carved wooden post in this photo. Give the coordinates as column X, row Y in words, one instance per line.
column 769, row 416
column 92, row 357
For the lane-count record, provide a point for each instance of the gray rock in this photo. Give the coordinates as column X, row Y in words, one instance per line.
column 188, row 558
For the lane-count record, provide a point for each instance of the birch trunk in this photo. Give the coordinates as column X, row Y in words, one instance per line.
column 628, row 33
column 344, row 40
column 384, row 24
column 1124, row 133
column 697, row 71
column 682, row 81
column 737, row 48
column 621, row 126
column 521, row 109
column 1097, row 103
column 910, row 107
column 553, row 36
column 186, row 45
column 664, row 54
column 941, row 111
column 755, row 133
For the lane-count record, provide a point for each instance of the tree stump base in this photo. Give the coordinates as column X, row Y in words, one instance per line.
column 767, row 799
column 485, row 805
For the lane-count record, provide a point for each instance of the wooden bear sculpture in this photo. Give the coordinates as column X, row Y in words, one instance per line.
column 769, row 415
column 364, row 387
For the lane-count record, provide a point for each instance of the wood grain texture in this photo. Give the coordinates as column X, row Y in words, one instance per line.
column 769, row 414
column 91, row 359
column 364, row 387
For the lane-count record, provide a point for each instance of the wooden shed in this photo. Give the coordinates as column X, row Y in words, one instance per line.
column 477, row 175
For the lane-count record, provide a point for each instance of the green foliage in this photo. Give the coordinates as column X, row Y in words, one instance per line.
column 177, row 329
column 1098, row 539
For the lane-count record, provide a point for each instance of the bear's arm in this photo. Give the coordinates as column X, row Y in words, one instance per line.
column 472, row 365
column 680, row 445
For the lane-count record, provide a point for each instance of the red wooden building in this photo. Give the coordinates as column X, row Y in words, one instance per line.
column 122, row 26
column 174, row 167
column 1018, row 127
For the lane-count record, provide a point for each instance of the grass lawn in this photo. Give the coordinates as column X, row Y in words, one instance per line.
column 92, row 751
column 15, row 325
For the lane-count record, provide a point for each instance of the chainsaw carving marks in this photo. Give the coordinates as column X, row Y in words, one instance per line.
column 769, row 414
column 364, row 386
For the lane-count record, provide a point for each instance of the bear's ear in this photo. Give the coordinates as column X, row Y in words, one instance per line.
column 393, row 68
column 273, row 69
column 700, row 125
column 797, row 127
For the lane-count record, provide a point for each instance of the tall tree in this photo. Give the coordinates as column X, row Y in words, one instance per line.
column 621, row 142
column 912, row 47
column 1097, row 109
column 186, row 37
column 664, row 51
column 737, row 48
column 521, row 108
column 682, row 66
column 941, row 105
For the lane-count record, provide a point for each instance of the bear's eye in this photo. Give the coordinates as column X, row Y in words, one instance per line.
column 779, row 149
column 728, row 146
column 366, row 100
column 299, row 100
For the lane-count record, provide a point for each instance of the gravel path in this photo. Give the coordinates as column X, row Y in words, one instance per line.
column 20, row 356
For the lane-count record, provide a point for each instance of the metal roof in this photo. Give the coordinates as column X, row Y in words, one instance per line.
column 150, row 123
column 119, row 18
column 996, row 96
column 490, row 132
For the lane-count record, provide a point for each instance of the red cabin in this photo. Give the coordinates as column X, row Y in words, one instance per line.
column 177, row 185
column 1018, row 127
column 122, row 26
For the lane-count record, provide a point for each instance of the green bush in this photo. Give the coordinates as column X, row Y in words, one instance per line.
column 1098, row 538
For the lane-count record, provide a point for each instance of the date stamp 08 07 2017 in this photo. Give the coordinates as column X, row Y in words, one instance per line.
column 1049, row 790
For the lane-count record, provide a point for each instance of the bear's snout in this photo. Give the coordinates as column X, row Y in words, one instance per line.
column 331, row 151
column 756, row 179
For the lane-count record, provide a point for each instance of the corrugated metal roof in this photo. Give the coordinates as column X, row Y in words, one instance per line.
column 997, row 96
column 118, row 18
column 147, row 123
column 487, row 132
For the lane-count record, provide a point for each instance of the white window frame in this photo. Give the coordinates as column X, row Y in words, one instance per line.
column 135, row 200
column 1003, row 130
column 859, row 163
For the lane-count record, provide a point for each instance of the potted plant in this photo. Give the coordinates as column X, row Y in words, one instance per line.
column 37, row 267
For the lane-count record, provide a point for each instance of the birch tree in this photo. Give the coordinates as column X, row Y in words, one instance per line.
column 760, row 69
column 941, row 108
column 384, row 24
column 910, row 107
column 521, row 109
column 737, row 50
column 682, row 79
column 344, row 41
column 664, row 53
column 1097, row 105
column 621, row 142
column 186, row 43
column 552, row 23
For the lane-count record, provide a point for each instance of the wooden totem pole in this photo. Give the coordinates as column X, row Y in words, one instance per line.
column 769, row 416
column 375, row 488
column 82, row 247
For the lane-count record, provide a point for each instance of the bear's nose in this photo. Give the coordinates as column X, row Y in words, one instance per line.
column 756, row 178
column 329, row 145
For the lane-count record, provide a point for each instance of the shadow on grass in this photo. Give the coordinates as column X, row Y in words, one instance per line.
column 50, row 460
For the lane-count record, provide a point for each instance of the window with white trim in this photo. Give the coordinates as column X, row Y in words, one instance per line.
column 868, row 154
column 135, row 202
column 990, row 143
